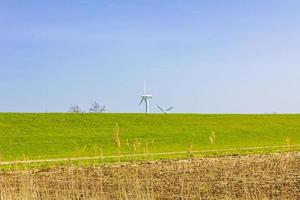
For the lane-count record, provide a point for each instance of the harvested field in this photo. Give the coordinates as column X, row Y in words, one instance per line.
column 236, row 177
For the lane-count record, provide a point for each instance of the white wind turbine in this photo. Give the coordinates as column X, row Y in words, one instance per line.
column 146, row 98
column 165, row 111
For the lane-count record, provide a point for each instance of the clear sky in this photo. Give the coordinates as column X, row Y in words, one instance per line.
column 201, row 56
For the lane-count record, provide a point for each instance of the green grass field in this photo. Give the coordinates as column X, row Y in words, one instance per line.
column 44, row 136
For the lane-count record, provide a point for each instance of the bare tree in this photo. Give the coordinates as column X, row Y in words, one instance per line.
column 97, row 108
column 75, row 109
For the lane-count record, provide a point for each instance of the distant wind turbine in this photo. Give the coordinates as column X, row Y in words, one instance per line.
column 165, row 111
column 145, row 98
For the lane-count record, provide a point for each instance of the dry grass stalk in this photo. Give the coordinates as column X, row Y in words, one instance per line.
column 101, row 154
column 190, row 150
column 83, row 149
column 136, row 144
column 146, row 149
column 127, row 143
column 212, row 138
column 24, row 157
column 134, row 147
column 95, row 150
column 117, row 140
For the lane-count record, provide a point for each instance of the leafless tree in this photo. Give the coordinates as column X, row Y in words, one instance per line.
column 75, row 109
column 97, row 108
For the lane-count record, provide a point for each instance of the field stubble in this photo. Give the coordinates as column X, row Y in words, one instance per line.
column 274, row 176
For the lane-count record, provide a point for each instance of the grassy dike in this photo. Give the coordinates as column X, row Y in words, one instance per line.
column 66, row 135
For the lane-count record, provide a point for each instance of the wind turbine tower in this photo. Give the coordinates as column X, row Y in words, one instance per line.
column 145, row 98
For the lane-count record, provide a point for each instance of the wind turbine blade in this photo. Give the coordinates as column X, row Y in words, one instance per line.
column 141, row 101
column 170, row 109
column 144, row 86
column 160, row 109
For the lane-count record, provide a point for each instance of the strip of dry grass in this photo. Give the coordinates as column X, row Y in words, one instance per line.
column 244, row 177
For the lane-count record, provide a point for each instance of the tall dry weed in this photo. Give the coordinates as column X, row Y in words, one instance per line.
column 117, row 140
column 212, row 137
column 190, row 151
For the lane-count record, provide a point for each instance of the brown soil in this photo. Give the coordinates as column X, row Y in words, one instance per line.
column 244, row 177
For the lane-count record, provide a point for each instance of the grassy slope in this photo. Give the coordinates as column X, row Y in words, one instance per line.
column 40, row 136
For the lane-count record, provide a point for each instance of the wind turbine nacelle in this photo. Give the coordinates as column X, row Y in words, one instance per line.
column 147, row 96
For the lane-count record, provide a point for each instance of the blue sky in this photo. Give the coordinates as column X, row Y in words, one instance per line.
column 210, row 56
